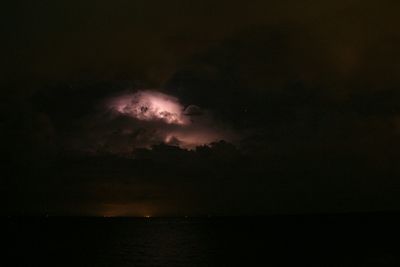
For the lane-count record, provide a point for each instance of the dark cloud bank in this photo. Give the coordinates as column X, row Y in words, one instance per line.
column 312, row 102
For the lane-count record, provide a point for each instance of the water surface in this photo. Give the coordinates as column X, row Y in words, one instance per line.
column 313, row 240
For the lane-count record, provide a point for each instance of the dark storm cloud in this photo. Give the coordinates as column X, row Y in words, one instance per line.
column 311, row 86
column 108, row 117
column 284, row 84
column 300, row 144
column 140, row 40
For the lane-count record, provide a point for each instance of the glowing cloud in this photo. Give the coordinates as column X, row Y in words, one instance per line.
column 156, row 117
column 150, row 106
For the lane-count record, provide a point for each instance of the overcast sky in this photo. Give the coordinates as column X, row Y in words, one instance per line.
column 266, row 107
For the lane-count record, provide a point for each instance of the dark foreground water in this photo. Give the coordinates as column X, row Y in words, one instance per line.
column 340, row 240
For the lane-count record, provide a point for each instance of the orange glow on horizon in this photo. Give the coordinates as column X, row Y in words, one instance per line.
column 143, row 210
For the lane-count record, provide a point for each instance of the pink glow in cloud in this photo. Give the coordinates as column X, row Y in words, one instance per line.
column 150, row 106
column 166, row 119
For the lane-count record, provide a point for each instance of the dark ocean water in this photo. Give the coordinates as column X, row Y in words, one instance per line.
column 324, row 240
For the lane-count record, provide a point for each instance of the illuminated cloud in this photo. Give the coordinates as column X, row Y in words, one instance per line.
column 150, row 106
column 161, row 118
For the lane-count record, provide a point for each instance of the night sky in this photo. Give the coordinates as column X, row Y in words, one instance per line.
column 164, row 108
